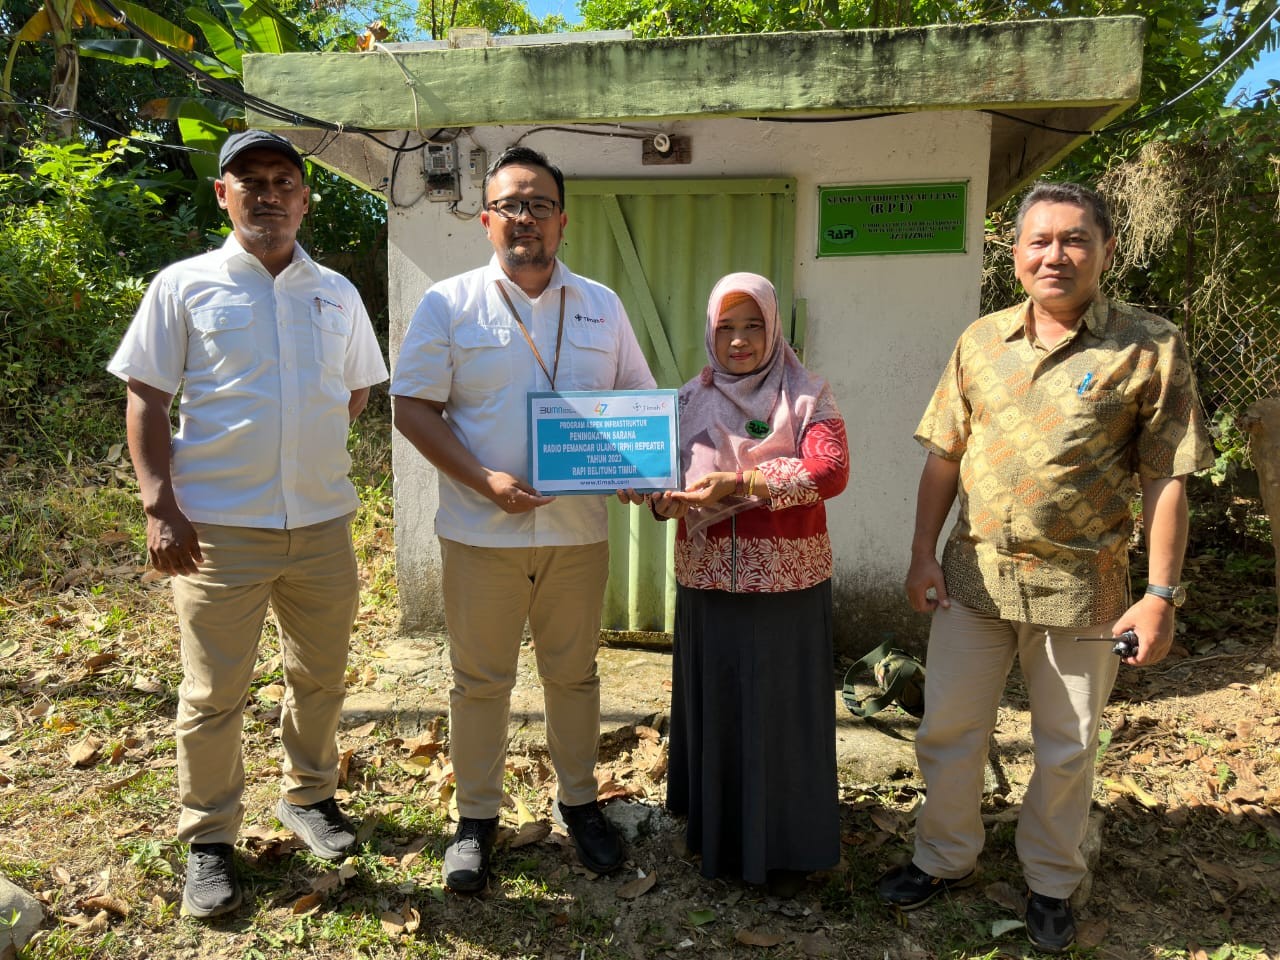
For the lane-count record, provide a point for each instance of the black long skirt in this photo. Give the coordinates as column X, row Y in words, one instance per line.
column 753, row 755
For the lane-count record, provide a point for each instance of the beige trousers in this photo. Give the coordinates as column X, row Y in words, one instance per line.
column 489, row 594
column 308, row 576
column 1068, row 683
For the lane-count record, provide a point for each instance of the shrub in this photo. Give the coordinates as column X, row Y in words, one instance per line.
column 81, row 233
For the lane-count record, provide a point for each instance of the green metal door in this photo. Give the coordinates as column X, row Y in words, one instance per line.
column 662, row 245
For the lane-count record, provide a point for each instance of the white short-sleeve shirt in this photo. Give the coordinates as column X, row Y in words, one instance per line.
column 464, row 349
column 266, row 367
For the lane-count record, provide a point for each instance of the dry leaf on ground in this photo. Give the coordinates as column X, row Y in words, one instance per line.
column 85, row 753
column 759, row 938
column 1004, row 894
column 307, row 903
column 103, row 902
column 639, row 886
column 529, row 833
column 392, row 922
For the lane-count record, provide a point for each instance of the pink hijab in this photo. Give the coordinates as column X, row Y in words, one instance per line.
column 738, row 421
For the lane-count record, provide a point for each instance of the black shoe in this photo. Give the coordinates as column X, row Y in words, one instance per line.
column 321, row 826
column 211, row 887
column 599, row 844
column 1050, row 925
column 466, row 858
column 908, row 887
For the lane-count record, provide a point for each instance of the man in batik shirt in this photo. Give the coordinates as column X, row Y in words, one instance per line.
column 1043, row 418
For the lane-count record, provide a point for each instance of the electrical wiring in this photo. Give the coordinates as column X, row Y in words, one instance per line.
column 90, row 121
column 234, row 94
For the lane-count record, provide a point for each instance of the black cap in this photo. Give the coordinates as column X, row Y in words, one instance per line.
column 238, row 143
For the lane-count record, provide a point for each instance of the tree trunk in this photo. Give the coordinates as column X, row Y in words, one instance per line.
column 1262, row 420
column 65, row 89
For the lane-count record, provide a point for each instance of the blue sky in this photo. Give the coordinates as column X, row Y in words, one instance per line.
column 566, row 8
column 1267, row 68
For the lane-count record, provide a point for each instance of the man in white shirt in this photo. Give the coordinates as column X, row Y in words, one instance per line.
column 249, row 503
column 477, row 345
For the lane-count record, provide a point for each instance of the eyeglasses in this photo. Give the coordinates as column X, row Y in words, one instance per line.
column 539, row 208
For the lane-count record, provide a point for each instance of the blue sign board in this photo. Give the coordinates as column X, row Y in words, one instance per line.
column 594, row 441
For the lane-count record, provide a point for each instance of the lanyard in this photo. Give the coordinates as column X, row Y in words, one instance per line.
column 550, row 374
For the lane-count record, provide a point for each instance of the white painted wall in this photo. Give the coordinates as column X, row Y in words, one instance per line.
column 880, row 328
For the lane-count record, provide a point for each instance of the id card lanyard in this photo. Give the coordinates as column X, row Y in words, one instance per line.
column 555, row 369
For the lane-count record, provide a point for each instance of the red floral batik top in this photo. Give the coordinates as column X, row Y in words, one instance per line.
column 783, row 544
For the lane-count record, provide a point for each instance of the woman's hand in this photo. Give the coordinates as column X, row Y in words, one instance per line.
column 712, row 488
column 666, row 506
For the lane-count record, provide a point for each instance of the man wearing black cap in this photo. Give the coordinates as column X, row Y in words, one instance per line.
column 248, row 503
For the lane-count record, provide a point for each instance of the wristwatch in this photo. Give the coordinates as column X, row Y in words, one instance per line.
column 1175, row 595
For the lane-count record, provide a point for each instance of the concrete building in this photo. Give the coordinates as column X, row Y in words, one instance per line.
column 852, row 167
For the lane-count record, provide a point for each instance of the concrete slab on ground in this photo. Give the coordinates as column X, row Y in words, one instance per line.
column 412, row 688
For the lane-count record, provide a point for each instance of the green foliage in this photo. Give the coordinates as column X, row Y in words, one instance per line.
column 79, row 229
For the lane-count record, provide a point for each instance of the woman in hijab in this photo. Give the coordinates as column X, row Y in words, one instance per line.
column 762, row 446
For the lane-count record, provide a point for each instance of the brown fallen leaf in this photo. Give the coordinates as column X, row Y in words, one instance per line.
column 412, row 918
column 416, row 766
column 1006, row 895
column 815, row 944
column 523, row 814
column 344, row 765
column 613, row 791
column 325, row 882
column 1224, row 873
column 100, row 660
column 890, row 821
column 363, row 730
column 413, row 851
column 528, row 833
column 307, row 903
column 392, row 922
column 145, row 683
column 759, row 938
column 85, row 753
column 103, row 902
column 1139, row 794
column 98, row 924
column 639, row 886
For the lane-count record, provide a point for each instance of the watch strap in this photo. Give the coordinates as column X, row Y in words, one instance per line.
column 1175, row 595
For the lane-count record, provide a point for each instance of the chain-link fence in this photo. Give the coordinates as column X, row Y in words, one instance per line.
column 1237, row 358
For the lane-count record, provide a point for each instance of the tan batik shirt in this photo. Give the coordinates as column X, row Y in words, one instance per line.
column 1052, row 444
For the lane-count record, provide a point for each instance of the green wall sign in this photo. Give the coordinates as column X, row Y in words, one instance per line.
column 892, row 218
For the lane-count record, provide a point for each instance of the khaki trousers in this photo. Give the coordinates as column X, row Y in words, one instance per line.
column 308, row 576
column 489, row 594
column 1068, row 683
